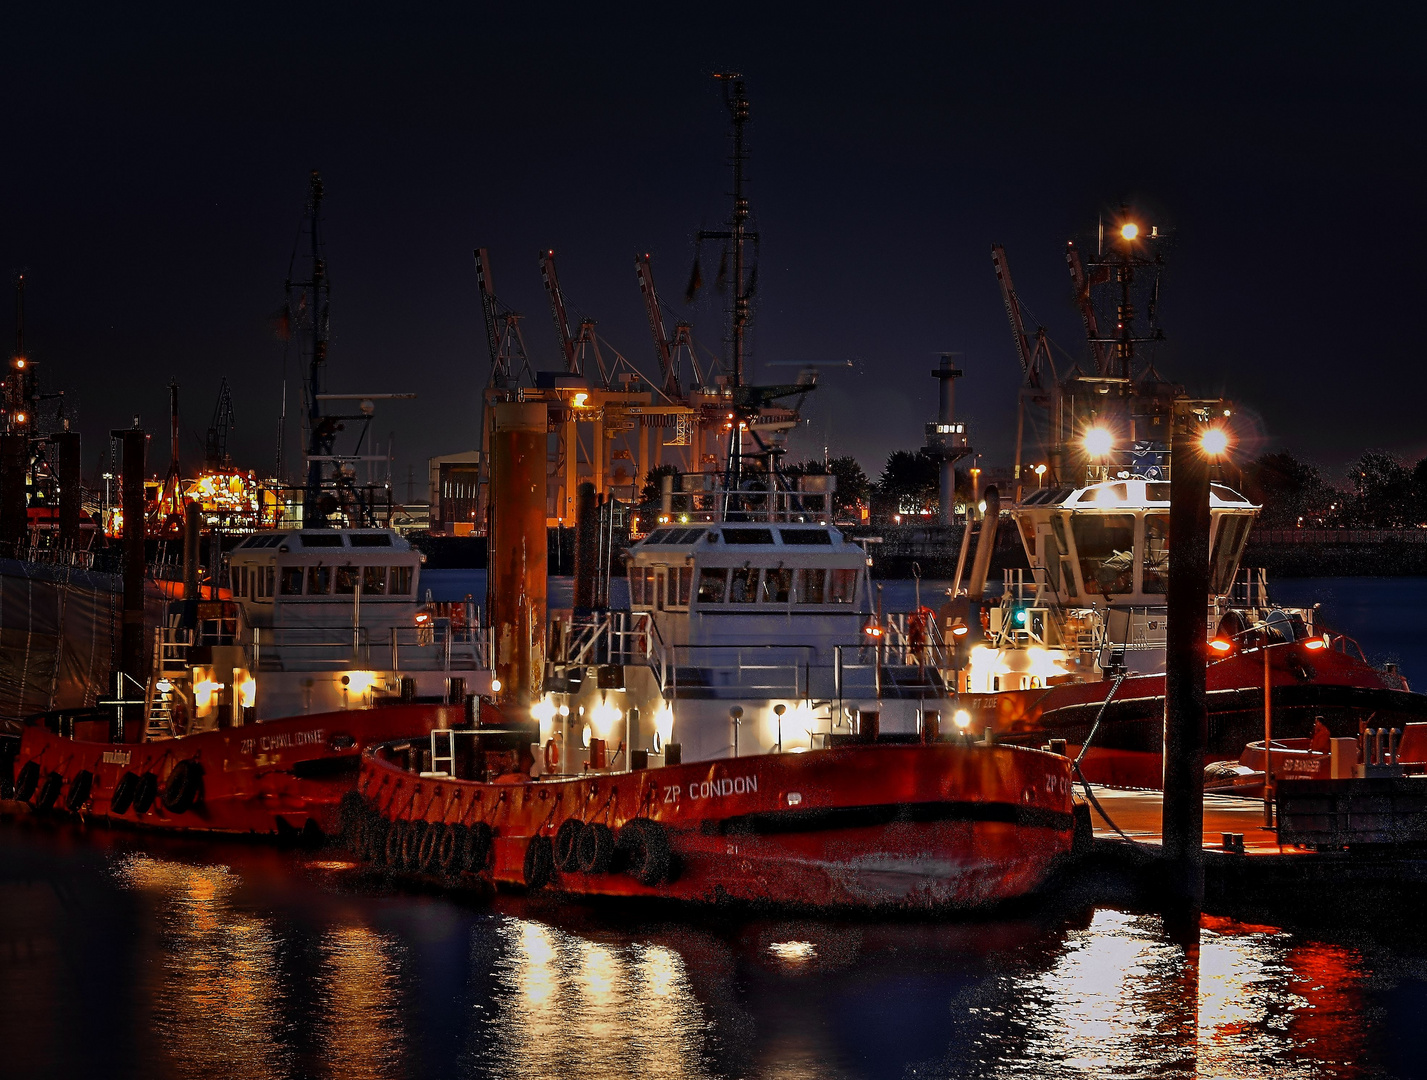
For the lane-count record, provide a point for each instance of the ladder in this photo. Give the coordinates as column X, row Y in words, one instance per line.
column 170, row 663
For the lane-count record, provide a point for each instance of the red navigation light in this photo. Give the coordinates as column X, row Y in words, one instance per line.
column 872, row 630
column 1221, row 645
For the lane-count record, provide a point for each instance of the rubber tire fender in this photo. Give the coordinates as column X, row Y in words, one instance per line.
column 183, row 787
column 79, row 789
column 146, row 793
column 374, row 839
column 567, row 844
column 539, row 862
column 49, row 791
column 451, row 848
column 431, row 841
column 27, row 781
column 350, row 812
column 391, row 850
column 596, row 848
column 477, row 853
column 644, row 845
column 123, row 796
column 411, row 844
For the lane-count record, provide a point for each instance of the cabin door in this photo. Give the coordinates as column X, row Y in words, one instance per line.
column 661, row 577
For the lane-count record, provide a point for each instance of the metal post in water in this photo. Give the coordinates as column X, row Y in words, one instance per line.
column 587, row 544
column 1185, row 707
column 518, row 550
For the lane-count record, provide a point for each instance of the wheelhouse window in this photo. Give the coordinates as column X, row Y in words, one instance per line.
column 1156, row 568
column 743, row 585
column 319, row 580
column 347, row 578
column 1105, row 544
column 321, row 539
column 373, row 580
column 1228, row 545
column 263, row 588
column 747, row 536
column 712, row 582
column 812, row 585
column 292, row 581
column 686, row 583
column 843, row 589
column 777, row 586
column 641, row 585
column 370, row 540
column 400, row 581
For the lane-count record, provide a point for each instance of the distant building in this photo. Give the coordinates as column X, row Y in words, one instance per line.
column 455, row 492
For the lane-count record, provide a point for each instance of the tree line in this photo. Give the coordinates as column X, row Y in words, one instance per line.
column 1381, row 493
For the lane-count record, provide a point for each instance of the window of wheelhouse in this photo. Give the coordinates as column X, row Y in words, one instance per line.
column 348, row 578
column 373, row 580
column 743, row 585
column 685, row 584
column 263, row 582
column 1156, row 557
column 1105, row 544
column 400, row 584
column 319, row 580
column 713, row 581
column 1229, row 541
column 641, row 586
column 843, row 588
column 292, row 581
column 777, row 586
column 812, row 585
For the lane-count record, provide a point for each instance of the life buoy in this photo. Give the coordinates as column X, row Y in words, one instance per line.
column 146, row 793
column 123, row 796
column 415, row 833
column 477, row 853
column 430, row 845
column 79, row 789
column 539, row 862
column 27, row 781
column 49, row 791
column 596, row 847
column 644, row 846
column 183, row 787
column 552, row 756
column 567, row 844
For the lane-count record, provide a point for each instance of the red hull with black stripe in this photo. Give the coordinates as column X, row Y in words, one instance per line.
column 870, row 826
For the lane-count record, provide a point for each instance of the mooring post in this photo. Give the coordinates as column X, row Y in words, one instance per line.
column 1185, row 708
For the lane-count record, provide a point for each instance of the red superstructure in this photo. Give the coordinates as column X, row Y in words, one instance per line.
column 943, row 825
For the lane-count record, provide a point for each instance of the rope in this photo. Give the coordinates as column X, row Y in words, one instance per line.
column 1095, row 727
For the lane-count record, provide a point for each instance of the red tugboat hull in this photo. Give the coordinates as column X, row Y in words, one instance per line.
column 1307, row 685
column 279, row 777
column 906, row 827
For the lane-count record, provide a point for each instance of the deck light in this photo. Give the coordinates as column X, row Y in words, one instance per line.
column 1315, row 643
column 959, row 628
column 1098, row 442
column 1129, row 230
column 962, row 719
column 495, row 686
column 1214, row 441
column 580, row 399
column 1221, row 645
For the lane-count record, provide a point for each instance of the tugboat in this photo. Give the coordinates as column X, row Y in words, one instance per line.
column 1075, row 649
column 752, row 729
column 254, row 719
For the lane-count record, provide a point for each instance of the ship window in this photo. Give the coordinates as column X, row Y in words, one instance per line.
column 641, row 585
column 686, row 583
column 322, row 539
column 1156, row 571
column 319, row 580
column 1105, row 544
column 400, row 581
column 1157, row 492
column 806, row 536
column 347, row 578
column 370, row 540
column 373, row 580
column 812, row 584
column 658, row 536
column 1228, row 495
column 1233, row 528
column 711, row 585
column 292, row 581
column 777, row 584
column 264, row 587
column 844, row 587
column 747, row 536
column 743, row 585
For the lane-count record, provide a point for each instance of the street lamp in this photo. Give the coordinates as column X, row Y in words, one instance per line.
column 1040, row 476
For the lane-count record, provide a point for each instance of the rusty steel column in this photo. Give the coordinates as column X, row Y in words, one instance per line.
column 190, row 566
column 518, row 551
column 71, row 493
column 985, row 544
column 1186, row 713
column 131, row 647
column 587, row 547
column 14, row 521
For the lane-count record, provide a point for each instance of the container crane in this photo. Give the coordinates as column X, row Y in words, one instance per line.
column 1038, row 383
column 509, row 360
column 583, row 343
column 667, row 350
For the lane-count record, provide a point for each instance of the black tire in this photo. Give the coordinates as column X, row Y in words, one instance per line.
column 146, row 793
column 431, row 841
column 411, row 845
column 539, row 862
column 451, row 849
column 350, row 814
column 184, row 785
column 391, row 850
column 374, row 839
column 123, row 796
column 567, row 844
column 49, row 791
column 478, row 848
column 7, row 788
column 644, row 846
column 79, row 789
column 596, row 848
column 27, row 781
column 1084, row 835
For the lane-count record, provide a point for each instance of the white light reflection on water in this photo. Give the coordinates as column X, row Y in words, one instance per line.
column 564, row 1005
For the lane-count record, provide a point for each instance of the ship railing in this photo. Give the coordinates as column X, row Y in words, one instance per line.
column 608, row 637
column 784, row 671
column 74, row 558
column 913, row 639
column 439, row 647
column 714, row 504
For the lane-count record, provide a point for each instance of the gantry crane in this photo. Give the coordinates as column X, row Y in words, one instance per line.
column 1038, row 378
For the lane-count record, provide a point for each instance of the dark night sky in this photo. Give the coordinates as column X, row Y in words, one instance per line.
column 156, row 171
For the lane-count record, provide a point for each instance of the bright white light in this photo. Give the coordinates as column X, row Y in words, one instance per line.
column 495, row 686
column 247, row 690
column 1129, row 230
column 1214, row 441
column 1099, row 442
column 962, row 719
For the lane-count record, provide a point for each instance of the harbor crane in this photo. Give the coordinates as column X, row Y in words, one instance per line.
column 1038, row 377
column 668, row 350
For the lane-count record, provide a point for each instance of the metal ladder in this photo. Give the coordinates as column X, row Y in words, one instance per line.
column 170, row 660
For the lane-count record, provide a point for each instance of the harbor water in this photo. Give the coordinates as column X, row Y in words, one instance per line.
column 123, row 954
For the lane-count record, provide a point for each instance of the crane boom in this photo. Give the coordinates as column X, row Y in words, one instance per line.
column 1013, row 313
column 485, row 283
column 645, row 274
column 1087, row 309
column 557, row 308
